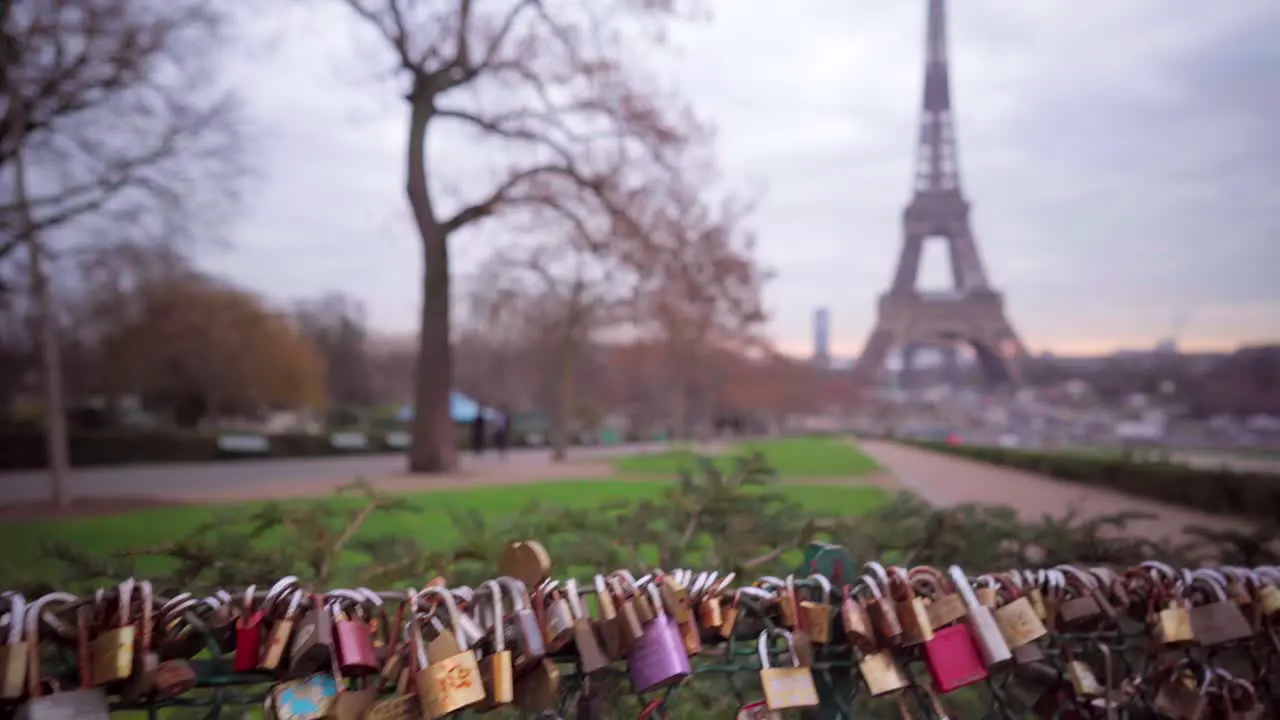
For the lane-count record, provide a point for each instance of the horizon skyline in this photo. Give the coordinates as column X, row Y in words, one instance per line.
column 1100, row 227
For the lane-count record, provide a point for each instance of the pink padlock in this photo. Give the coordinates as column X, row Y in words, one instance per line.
column 354, row 639
column 953, row 659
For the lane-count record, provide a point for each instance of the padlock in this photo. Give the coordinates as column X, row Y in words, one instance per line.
column 557, row 618
column 1171, row 624
column 787, row 603
column 815, row 610
column 538, row 690
column 113, row 649
column 1017, row 619
column 611, row 640
column 527, row 635
column 784, row 687
column 312, row 649
column 248, row 634
column 730, row 620
column 629, row 626
column 1184, row 694
column 452, row 683
column 177, row 638
column 13, row 654
column 591, row 655
column 353, row 639
column 916, row 628
column 84, row 703
column 527, row 561
column 1080, row 606
column 1083, row 681
column 497, row 670
column 142, row 678
column 379, row 626
column 1269, row 596
column 1035, row 596
column 642, row 605
column 981, row 622
column 883, row 613
column 710, row 603
column 308, row 698
column 952, row 659
column 658, row 657
column 854, row 622
column 1217, row 620
column 280, row 609
column 945, row 606
column 880, row 672
column 675, row 598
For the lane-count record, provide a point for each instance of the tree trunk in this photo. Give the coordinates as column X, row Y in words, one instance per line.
column 434, row 446
column 50, row 352
column 563, row 408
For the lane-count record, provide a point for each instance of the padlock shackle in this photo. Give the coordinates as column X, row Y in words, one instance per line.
column 962, row 586
column 17, row 616
column 878, row 570
column 763, row 642
column 494, row 593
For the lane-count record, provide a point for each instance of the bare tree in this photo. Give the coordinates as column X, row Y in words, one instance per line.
column 542, row 85
column 562, row 296
column 123, row 121
column 700, row 294
column 335, row 325
column 106, row 106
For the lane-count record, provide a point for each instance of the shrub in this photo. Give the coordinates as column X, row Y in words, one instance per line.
column 1219, row 491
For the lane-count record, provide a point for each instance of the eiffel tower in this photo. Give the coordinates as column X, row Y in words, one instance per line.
column 972, row 312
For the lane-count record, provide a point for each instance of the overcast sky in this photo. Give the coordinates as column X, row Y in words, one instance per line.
column 1122, row 159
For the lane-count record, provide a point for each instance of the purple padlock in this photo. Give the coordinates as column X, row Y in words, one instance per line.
column 658, row 658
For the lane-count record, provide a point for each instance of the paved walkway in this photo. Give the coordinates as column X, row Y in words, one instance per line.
column 947, row 480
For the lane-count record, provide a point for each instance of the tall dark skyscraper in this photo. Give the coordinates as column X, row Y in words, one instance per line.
column 822, row 336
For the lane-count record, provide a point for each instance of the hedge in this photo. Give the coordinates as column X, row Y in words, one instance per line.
column 1221, row 491
column 26, row 451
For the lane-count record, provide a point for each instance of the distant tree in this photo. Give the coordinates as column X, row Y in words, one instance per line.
column 193, row 347
column 545, row 88
column 700, row 295
column 335, row 324
column 559, row 296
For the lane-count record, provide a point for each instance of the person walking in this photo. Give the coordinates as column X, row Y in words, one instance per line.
column 477, row 433
column 502, row 432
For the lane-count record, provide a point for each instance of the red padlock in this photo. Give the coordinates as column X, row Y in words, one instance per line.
column 354, row 638
column 248, row 635
column 952, row 659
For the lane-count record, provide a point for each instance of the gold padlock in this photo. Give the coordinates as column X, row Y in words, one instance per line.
column 111, row 652
column 451, row 683
column 1171, row 625
column 945, row 606
column 816, row 611
column 785, row 687
column 788, row 605
column 14, row 652
column 1269, row 600
column 675, row 599
column 880, row 672
column 497, row 672
column 281, row 631
column 1018, row 622
column 916, row 627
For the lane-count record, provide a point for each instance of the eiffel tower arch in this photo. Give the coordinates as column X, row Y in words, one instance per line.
column 972, row 312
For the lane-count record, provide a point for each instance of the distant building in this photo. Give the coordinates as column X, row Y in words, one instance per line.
column 822, row 337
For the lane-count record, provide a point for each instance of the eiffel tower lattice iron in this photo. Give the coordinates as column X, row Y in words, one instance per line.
column 972, row 312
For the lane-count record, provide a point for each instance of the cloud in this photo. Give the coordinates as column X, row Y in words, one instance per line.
column 1120, row 158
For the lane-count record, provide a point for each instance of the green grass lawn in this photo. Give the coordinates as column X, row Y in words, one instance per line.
column 24, row 541
column 790, row 457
